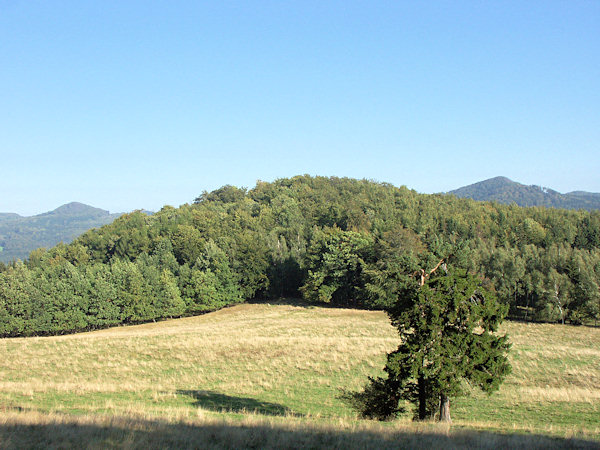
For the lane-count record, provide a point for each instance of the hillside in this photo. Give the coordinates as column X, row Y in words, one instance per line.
column 503, row 190
column 8, row 216
column 340, row 241
column 20, row 235
column 270, row 376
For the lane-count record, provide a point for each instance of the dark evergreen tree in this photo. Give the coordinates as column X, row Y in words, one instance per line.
column 447, row 331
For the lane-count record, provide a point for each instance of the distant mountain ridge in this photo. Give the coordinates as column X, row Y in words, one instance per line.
column 20, row 235
column 8, row 216
column 504, row 190
column 76, row 209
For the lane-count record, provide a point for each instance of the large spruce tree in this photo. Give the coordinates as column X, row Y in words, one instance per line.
column 447, row 330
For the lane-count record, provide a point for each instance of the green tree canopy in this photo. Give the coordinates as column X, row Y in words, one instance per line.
column 337, row 260
column 447, row 331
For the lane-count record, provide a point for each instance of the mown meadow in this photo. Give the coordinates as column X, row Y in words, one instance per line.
column 272, row 375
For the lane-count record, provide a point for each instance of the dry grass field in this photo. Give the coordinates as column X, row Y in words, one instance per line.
column 270, row 375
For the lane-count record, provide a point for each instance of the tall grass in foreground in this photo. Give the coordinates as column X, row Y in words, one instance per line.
column 36, row 430
column 276, row 370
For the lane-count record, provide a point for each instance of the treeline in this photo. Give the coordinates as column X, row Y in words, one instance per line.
column 337, row 240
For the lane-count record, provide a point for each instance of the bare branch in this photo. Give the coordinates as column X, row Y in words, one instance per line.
column 424, row 276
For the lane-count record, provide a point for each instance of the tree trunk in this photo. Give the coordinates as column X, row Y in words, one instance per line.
column 422, row 399
column 444, row 409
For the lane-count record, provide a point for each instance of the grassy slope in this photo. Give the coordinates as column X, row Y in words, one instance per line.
column 266, row 367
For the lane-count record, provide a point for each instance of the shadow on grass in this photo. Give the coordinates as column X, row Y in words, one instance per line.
column 105, row 432
column 215, row 401
column 285, row 301
column 302, row 303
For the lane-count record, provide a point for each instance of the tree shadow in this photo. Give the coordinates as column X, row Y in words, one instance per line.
column 114, row 432
column 302, row 303
column 282, row 301
column 216, row 401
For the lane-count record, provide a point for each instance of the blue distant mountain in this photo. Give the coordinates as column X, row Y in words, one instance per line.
column 20, row 235
column 504, row 190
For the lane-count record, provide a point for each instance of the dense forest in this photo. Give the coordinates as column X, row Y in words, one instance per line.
column 341, row 241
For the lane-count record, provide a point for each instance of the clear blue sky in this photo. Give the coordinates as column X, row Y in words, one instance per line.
column 137, row 104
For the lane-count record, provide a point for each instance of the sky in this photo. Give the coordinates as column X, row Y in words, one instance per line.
column 127, row 105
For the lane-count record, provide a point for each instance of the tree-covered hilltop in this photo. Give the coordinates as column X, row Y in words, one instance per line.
column 503, row 190
column 336, row 240
column 20, row 235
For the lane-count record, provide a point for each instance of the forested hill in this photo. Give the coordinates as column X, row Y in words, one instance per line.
column 330, row 240
column 506, row 191
column 8, row 216
column 20, row 235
